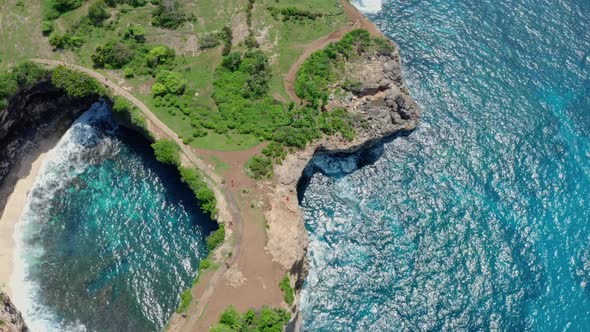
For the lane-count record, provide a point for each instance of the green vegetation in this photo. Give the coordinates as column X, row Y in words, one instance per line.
column 185, row 301
column 194, row 179
column 168, row 14
column 259, row 167
column 167, row 152
column 321, row 68
column 75, row 83
column 22, row 76
column 288, row 293
column 216, row 238
column 130, row 113
column 267, row 320
column 293, row 13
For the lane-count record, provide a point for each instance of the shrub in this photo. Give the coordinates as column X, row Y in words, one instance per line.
column 74, row 82
column 209, row 40
column 46, row 27
column 288, row 293
column 135, row 32
column 267, row 320
column 172, row 81
column 167, row 152
column 97, row 12
column 216, row 238
column 159, row 55
column 185, row 301
column 194, row 179
column 112, row 55
column 168, row 14
column 204, row 264
column 259, row 167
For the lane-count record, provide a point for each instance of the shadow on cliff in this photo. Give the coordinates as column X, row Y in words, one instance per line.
column 338, row 164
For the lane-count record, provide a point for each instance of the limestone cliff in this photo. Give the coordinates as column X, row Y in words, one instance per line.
column 11, row 319
column 380, row 101
column 32, row 113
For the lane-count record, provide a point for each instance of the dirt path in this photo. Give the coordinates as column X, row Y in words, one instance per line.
column 228, row 207
column 358, row 21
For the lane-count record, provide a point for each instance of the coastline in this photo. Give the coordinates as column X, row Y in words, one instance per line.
column 16, row 201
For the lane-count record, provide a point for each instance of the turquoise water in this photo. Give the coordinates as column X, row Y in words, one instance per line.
column 479, row 220
column 111, row 237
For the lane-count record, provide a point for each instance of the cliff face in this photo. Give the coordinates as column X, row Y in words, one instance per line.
column 381, row 104
column 30, row 114
column 11, row 319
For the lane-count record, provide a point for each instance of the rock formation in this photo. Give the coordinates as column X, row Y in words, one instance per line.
column 11, row 319
column 380, row 101
column 30, row 114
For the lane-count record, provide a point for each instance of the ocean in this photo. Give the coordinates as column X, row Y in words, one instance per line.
column 478, row 220
column 110, row 237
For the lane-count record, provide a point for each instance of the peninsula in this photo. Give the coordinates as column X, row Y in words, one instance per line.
column 238, row 95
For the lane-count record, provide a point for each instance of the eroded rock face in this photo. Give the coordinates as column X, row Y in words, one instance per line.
column 40, row 108
column 373, row 89
column 11, row 319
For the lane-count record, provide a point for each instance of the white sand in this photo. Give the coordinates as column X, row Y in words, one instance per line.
column 14, row 208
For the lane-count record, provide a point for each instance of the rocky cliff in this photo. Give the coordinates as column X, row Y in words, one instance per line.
column 32, row 113
column 380, row 101
column 11, row 319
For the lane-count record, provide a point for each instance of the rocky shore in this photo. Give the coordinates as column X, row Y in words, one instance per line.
column 11, row 319
column 384, row 109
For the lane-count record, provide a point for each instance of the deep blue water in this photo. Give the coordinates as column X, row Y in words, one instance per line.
column 111, row 237
column 479, row 220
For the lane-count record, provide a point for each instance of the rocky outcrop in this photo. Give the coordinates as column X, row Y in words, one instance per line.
column 31, row 113
column 11, row 319
column 375, row 92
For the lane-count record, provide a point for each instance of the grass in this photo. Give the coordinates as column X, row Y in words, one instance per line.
column 219, row 165
column 21, row 38
column 185, row 301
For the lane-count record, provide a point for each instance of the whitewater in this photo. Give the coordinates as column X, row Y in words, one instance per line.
column 479, row 219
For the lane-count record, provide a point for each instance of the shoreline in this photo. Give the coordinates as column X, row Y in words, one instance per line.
column 25, row 175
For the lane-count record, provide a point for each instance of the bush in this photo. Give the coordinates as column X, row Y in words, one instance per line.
column 168, row 14
column 159, row 55
column 288, row 293
column 173, row 82
column 204, row 264
column 267, row 320
column 22, row 76
column 216, row 238
column 97, row 12
column 112, row 55
column 135, row 32
column 194, row 179
column 185, row 301
column 74, row 82
column 259, row 167
column 167, row 152
column 209, row 40
column 46, row 27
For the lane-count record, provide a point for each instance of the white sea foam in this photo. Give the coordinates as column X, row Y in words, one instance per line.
column 368, row 6
column 80, row 146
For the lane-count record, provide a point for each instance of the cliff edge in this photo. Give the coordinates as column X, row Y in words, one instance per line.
column 373, row 90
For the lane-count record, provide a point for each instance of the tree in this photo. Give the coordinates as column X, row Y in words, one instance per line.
column 173, row 81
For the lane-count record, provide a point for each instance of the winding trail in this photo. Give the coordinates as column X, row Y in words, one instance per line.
column 225, row 198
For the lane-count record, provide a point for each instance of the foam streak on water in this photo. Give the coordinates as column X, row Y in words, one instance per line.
column 109, row 237
column 478, row 220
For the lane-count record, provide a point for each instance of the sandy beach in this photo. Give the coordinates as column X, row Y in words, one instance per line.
column 16, row 199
